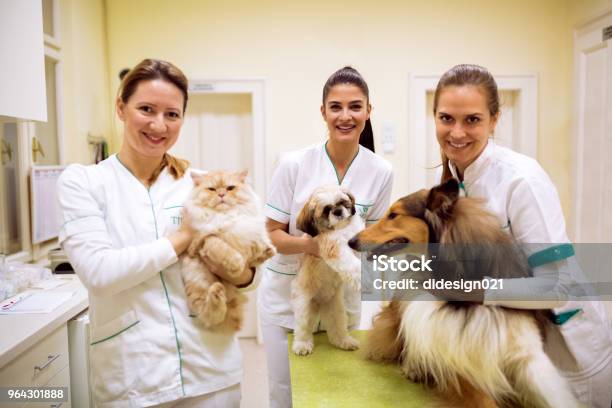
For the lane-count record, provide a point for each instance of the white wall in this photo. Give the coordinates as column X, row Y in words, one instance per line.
column 296, row 46
column 85, row 86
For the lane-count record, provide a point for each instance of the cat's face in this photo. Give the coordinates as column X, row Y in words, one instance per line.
column 220, row 190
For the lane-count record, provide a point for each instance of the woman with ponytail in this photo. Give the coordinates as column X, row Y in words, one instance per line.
column 517, row 190
column 122, row 232
column 342, row 159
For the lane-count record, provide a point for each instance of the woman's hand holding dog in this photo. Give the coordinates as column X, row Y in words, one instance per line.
column 311, row 245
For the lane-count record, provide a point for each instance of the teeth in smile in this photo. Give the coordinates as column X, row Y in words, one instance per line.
column 154, row 138
column 458, row 145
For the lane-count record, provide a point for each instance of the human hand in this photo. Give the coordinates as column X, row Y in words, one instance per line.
column 459, row 295
column 311, row 245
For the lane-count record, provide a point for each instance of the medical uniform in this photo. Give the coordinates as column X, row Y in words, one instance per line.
column 146, row 348
column 369, row 178
column 522, row 196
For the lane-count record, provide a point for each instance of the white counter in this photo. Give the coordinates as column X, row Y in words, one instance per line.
column 22, row 331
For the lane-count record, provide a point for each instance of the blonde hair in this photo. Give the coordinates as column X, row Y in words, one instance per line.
column 148, row 70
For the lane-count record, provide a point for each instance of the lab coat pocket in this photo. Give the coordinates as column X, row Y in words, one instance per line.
column 172, row 217
column 114, row 328
column 586, row 334
column 116, row 358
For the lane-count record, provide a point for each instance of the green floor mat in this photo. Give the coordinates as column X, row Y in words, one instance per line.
column 331, row 377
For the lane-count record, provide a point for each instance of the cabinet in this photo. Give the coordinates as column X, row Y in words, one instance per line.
column 43, row 364
column 22, row 72
column 34, row 347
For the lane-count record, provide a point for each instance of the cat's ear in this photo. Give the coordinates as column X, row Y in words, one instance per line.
column 243, row 175
column 197, row 178
column 305, row 221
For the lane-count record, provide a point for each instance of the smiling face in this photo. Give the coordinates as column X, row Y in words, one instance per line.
column 463, row 124
column 152, row 118
column 345, row 111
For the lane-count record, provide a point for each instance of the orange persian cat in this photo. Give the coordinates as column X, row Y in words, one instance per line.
column 230, row 233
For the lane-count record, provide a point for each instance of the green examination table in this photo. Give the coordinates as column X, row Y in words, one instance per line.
column 330, row 377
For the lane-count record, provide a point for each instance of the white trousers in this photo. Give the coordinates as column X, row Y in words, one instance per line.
column 226, row 398
column 279, row 379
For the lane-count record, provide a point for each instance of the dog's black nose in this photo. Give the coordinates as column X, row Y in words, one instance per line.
column 354, row 243
column 337, row 212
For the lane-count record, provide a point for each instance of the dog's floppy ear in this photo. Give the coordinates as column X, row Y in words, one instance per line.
column 352, row 198
column 442, row 198
column 305, row 219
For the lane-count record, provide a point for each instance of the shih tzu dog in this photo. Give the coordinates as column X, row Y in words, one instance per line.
column 317, row 290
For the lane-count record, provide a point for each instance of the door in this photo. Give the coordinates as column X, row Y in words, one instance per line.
column 218, row 135
column 592, row 132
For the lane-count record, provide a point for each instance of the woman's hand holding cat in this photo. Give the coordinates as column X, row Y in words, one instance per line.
column 181, row 238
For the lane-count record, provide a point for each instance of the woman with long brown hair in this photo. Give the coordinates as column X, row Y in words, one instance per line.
column 518, row 191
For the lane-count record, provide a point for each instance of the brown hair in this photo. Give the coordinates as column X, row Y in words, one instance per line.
column 349, row 75
column 463, row 75
column 149, row 70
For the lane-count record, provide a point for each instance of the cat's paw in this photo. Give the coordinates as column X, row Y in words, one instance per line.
column 302, row 348
column 267, row 253
column 347, row 343
column 233, row 264
column 215, row 308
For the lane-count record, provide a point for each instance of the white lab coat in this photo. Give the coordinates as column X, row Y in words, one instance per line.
column 146, row 349
column 369, row 178
column 519, row 192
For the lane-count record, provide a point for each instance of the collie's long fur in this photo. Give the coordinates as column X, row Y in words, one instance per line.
column 472, row 355
column 328, row 215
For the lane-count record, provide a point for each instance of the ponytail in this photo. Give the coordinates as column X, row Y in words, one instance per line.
column 176, row 167
column 446, row 171
column 366, row 138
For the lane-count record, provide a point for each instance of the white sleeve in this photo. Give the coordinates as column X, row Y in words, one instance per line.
column 536, row 221
column 281, row 190
column 384, row 198
column 103, row 269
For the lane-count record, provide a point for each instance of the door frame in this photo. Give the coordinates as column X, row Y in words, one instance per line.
column 584, row 34
column 256, row 88
column 420, row 84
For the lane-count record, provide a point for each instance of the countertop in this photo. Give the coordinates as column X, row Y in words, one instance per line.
column 22, row 331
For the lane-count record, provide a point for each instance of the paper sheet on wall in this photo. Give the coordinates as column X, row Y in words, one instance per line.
column 45, row 208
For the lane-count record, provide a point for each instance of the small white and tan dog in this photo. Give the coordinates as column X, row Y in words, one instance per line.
column 317, row 290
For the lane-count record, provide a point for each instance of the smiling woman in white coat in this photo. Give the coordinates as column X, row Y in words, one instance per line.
column 346, row 158
column 122, row 232
column 520, row 194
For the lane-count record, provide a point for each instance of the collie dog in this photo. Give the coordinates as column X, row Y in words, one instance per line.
column 328, row 215
column 472, row 355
